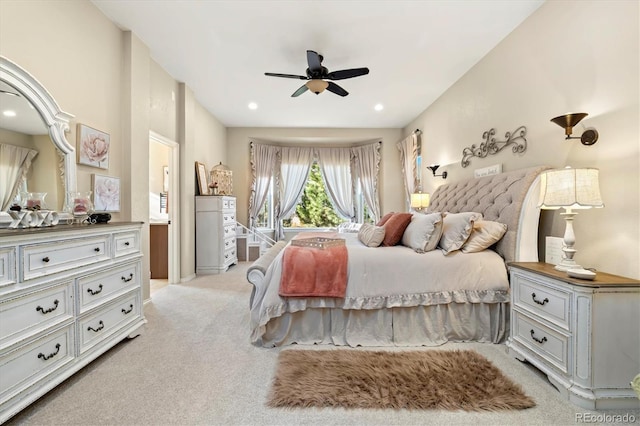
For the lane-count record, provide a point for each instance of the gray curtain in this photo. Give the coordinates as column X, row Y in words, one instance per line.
column 367, row 168
column 263, row 167
column 335, row 166
column 15, row 161
column 295, row 165
column 408, row 148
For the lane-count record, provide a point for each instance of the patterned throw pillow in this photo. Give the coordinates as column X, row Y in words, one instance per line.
column 394, row 228
column 371, row 235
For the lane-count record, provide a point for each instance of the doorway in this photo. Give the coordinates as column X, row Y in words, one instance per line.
column 164, row 212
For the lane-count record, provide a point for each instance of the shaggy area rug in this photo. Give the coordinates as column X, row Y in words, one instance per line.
column 433, row 379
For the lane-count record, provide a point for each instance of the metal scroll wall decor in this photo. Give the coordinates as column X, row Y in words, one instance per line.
column 493, row 146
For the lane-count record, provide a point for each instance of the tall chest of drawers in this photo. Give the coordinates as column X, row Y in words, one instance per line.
column 585, row 335
column 67, row 294
column 215, row 234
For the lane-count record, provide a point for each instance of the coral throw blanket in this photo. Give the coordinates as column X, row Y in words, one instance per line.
column 308, row 271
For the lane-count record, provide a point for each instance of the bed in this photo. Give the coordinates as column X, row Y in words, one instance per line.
column 397, row 297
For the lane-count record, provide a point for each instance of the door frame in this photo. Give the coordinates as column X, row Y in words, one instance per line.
column 173, row 204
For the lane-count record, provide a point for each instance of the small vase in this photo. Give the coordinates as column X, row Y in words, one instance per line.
column 79, row 205
column 33, row 200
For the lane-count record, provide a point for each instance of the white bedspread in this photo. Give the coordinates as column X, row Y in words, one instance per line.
column 386, row 277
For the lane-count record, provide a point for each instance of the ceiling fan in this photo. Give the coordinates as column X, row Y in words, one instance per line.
column 317, row 74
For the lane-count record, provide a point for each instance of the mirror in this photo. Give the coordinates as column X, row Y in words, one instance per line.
column 42, row 127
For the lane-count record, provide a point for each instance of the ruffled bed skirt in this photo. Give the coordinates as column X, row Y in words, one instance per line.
column 431, row 325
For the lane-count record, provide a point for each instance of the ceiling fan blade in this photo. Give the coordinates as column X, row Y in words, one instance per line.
column 313, row 59
column 300, row 91
column 350, row 73
column 297, row 77
column 332, row 87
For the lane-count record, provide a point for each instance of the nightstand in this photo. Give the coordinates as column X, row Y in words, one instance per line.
column 585, row 335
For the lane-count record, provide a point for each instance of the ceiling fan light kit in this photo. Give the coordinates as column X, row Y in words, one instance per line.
column 317, row 76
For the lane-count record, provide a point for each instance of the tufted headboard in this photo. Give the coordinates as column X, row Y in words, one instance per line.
column 510, row 198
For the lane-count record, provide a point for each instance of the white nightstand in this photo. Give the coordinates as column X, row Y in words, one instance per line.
column 585, row 335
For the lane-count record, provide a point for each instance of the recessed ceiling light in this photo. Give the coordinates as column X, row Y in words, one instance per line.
column 9, row 113
column 253, row 105
column 378, row 107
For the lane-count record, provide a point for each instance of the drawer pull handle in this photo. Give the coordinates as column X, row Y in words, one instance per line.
column 541, row 341
column 125, row 311
column 97, row 249
column 533, row 296
column 92, row 292
column 45, row 259
column 126, row 280
column 46, row 311
column 126, row 243
column 100, row 327
column 51, row 355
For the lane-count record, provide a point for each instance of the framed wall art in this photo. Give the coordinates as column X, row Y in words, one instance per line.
column 201, row 175
column 93, row 147
column 106, row 193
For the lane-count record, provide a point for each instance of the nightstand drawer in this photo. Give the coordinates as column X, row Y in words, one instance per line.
column 540, row 299
column 550, row 345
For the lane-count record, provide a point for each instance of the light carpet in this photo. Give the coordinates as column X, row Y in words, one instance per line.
column 194, row 365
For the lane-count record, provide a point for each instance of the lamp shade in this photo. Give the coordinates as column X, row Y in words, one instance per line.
column 570, row 188
column 567, row 121
column 420, row 200
column 316, row 85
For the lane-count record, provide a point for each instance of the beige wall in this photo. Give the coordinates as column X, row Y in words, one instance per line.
column 158, row 157
column 557, row 62
column 391, row 186
column 125, row 94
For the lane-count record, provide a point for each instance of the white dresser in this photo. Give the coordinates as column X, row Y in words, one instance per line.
column 585, row 335
column 67, row 294
column 215, row 234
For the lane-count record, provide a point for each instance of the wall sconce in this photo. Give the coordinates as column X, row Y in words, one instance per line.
column 567, row 121
column 433, row 169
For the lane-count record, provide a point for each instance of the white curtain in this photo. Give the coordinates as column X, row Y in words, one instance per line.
column 335, row 166
column 263, row 167
column 14, row 164
column 295, row 165
column 367, row 168
column 408, row 148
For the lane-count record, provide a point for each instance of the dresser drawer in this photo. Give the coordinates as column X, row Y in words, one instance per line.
column 229, row 243
column 48, row 258
column 24, row 316
column 229, row 231
column 229, row 217
column 126, row 243
column 230, row 257
column 7, row 266
column 540, row 299
column 549, row 344
column 95, row 328
column 24, row 366
column 229, row 203
column 97, row 288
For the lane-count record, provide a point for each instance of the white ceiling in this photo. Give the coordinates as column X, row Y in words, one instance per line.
column 415, row 50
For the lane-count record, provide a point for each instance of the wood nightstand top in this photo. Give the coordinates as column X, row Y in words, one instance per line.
column 602, row 279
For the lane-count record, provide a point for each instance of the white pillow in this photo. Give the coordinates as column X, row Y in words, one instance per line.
column 371, row 235
column 423, row 232
column 456, row 228
column 484, row 234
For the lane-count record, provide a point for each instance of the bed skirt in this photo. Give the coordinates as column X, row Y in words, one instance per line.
column 431, row 325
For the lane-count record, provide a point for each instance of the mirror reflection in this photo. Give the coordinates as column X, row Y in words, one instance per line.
column 26, row 150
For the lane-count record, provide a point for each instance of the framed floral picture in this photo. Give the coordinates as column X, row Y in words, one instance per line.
column 93, row 147
column 106, row 193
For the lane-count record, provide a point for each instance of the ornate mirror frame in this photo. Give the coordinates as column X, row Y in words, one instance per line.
column 56, row 120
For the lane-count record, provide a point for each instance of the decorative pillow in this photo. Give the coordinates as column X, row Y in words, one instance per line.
column 349, row 227
column 371, row 235
column 424, row 232
column 456, row 228
column 484, row 234
column 394, row 228
column 384, row 219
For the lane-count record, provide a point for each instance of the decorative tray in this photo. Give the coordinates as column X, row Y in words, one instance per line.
column 318, row 242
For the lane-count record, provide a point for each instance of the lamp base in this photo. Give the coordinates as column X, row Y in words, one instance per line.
column 567, row 264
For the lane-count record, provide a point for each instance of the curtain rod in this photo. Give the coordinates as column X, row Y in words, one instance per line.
column 417, row 131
